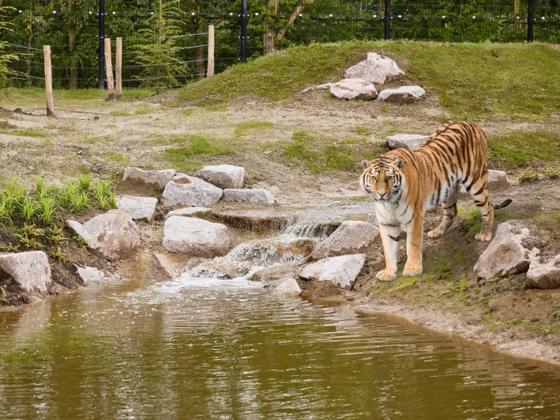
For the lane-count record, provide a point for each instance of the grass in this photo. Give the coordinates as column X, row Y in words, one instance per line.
column 245, row 127
column 186, row 157
column 117, row 157
column 323, row 154
column 521, row 149
column 528, row 175
column 34, row 219
column 27, row 132
column 471, row 80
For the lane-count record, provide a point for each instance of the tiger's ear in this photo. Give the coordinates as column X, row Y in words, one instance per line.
column 365, row 163
column 399, row 162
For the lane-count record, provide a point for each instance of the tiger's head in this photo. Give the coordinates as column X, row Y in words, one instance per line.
column 383, row 178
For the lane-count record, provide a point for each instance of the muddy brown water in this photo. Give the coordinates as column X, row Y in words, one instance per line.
column 209, row 348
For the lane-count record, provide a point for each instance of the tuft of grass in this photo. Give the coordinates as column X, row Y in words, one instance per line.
column 521, row 149
column 186, row 157
column 471, row 80
column 528, row 175
column 28, row 132
column 142, row 109
column 363, row 130
column 244, row 127
column 117, row 157
column 120, row 114
column 323, row 154
column 552, row 172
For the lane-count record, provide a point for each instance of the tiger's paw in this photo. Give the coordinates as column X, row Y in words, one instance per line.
column 435, row 233
column 385, row 275
column 412, row 269
column 483, row 236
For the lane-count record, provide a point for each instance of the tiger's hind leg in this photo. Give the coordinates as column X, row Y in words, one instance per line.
column 481, row 197
column 449, row 213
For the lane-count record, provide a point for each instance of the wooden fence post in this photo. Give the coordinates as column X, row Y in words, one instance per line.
column 210, row 71
column 109, row 70
column 118, row 68
column 48, row 80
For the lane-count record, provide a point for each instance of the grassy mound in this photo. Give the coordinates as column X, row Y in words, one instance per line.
column 471, row 80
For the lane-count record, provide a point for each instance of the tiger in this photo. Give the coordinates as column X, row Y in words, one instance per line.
column 406, row 183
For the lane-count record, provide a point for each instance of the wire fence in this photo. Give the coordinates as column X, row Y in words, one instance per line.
column 73, row 34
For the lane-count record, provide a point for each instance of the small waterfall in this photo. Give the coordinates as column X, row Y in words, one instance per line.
column 314, row 230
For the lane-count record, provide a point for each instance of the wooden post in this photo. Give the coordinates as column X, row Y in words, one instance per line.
column 109, row 70
column 48, row 81
column 118, row 68
column 210, row 71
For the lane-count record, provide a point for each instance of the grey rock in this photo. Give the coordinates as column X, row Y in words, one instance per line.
column 407, row 141
column 375, row 69
column 114, row 234
column 498, row 178
column 223, row 176
column 402, row 95
column 139, row 208
column 190, row 212
column 342, row 271
column 351, row 237
column 252, row 196
column 505, row 255
column 196, row 237
column 30, row 270
column 152, row 179
column 287, row 288
column 353, row 89
column 185, row 190
column 544, row 274
column 92, row 276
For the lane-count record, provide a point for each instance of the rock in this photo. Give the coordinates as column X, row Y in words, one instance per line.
column 114, row 234
column 152, row 179
column 287, row 288
column 342, row 271
column 351, row 237
column 353, row 89
column 256, row 220
column 139, row 208
column 171, row 268
column 30, row 270
column 544, row 275
column 185, row 190
column 505, row 255
column 375, row 69
column 402, row 95
column 190, row 212
column 407, row 141
column 252, row 196
column 223, row 176
column 196, row 237
column 91, row 275
column 498, row 178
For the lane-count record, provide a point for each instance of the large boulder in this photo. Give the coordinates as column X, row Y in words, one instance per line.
column 139, row 208
column 342, row 271
column 250, row 196
column 196, row 237
column 402, row 95
column 351, row 237
column 505, row 255
column 544, row 274
column 152, row 179
column 30, row 270
column 114, row 234
column 223, row 176
column 375, row 69
column 185, row 190
column 407, row 141
column 353, row 89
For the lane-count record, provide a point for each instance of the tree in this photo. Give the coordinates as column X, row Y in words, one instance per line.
column 273, row 35
column 5, row 59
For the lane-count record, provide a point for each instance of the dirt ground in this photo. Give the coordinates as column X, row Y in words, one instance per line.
column 99, row 137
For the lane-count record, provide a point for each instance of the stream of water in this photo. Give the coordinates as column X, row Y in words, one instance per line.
column 195, row 348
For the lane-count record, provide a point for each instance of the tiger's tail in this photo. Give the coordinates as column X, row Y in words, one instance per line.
column 503, row 204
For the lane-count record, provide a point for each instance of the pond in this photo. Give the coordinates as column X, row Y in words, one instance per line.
column 192, row 348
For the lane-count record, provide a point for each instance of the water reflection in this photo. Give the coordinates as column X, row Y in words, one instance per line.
column 190, row 348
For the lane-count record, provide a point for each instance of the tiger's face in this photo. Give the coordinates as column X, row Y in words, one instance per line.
column 382, row 177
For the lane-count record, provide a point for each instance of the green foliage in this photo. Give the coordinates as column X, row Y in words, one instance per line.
column 520, row 149
column 185, row 157
column 528, row 175
column 245, row 127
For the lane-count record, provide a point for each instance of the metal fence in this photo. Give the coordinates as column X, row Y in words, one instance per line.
column 242, row 27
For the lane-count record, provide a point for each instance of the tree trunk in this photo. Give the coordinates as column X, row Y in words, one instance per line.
column 73, row 64
column 270, row 26
column 290, row 22
column 516, row 7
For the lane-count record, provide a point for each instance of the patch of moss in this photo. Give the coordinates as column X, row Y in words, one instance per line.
column 186, row 158
column 244, row 127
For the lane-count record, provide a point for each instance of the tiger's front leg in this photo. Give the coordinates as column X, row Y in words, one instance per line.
column 414, row 236
column 390, row 237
